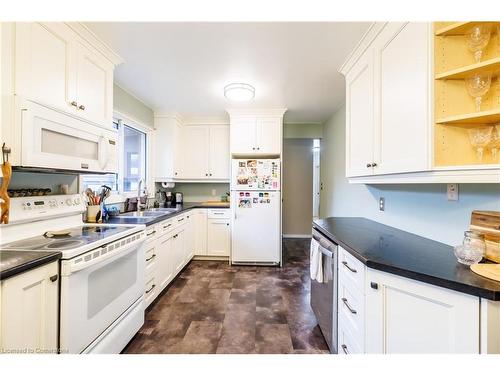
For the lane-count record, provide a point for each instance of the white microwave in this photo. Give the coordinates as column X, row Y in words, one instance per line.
column 51, row 139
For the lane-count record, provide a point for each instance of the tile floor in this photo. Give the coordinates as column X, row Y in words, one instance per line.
column 214, row 308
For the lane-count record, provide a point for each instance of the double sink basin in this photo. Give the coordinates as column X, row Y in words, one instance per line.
column 151, row 212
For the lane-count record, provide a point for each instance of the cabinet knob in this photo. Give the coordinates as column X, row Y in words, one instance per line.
column 258, row 148
column 210, row 174
column 206, row 174
column 227, row 224
column 82, row 107
column 368, row 165
column 54, row 278
column 253, row 148
column 374, row 164
column 176, row 173
column 74, row 104
column 373, row 285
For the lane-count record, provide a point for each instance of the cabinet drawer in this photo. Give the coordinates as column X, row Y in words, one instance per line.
column 179, row 220
column 151, row 290
column 219, row 213
column 150, row 257
column 351, row 269
column 352, row 312
column 167, row 225
column 151, row 233
column 346, row 342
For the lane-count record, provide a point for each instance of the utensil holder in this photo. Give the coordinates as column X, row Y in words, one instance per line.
column 92, row 213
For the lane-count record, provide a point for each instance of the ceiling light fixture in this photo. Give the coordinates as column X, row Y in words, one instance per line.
column 239, row 92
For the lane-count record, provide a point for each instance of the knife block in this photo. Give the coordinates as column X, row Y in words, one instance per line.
column 488, row 223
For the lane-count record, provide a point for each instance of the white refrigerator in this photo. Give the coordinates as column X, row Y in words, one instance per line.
column 256, row 211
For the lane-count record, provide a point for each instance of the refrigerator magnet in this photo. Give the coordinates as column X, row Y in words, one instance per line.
column 252, row 163
column 255, row 200
column 261, row 194
column 247, row 194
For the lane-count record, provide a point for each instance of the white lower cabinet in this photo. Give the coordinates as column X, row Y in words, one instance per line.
column 29, row 311
column 219, row 237
column 199, row 219
column 407, row 316
column 165, row 262
column 178, row 249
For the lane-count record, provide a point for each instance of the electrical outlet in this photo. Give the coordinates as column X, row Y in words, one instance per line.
column 214, row 192
column 381, row 204
column 452, row 192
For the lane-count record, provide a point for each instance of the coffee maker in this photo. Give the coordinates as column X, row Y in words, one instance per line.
column 169, row 198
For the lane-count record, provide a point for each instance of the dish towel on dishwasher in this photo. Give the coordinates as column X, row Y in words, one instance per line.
column 316, row 262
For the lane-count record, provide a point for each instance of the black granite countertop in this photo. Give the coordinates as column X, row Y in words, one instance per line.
column 180, row 208
column 13, row 262
column 402, row 253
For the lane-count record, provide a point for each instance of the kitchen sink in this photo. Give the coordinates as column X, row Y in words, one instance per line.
column 148, row 213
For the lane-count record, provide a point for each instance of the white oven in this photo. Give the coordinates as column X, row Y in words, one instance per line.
column 51, row 139
column 101, row 289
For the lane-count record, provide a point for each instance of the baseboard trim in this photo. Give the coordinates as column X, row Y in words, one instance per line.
column 208, row 257
column 297, row 235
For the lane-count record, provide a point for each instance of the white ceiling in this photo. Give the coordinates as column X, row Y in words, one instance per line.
column 183, row 67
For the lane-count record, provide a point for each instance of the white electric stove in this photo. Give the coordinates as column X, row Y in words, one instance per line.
column 102, row 270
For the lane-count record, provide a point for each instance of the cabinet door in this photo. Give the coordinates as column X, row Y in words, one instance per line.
column 218, row 238
column 243, row 132
column 29, row 309
column 168, row 148
column 269, row 135
column 179, row 250
column 195, row 152
column 164, row 264
column 45, row 60
column 360, row 117
column 402, row 125
column 407, row 316
column 94, row 86
column 190, row 238
column 219, row 152
column 200, row 232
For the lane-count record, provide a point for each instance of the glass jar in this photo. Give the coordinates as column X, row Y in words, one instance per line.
column 472, row 249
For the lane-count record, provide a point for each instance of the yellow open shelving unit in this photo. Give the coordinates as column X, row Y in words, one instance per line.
column 455, row 111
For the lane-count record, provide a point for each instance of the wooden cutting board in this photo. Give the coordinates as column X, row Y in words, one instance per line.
column 491, row 271
column 488, row 223
column 216, row 203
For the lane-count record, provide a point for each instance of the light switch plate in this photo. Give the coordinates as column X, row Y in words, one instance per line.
column 452, row 192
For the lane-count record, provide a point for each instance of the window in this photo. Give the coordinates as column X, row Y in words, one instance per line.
column 132, row 163
column 134, row 158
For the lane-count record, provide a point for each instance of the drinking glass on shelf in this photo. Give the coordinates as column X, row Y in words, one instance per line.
column 479, row 139
column 478, row 85
column 494, row 144
column 478, row 38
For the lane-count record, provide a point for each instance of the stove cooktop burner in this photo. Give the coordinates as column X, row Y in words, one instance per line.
column 77, row 237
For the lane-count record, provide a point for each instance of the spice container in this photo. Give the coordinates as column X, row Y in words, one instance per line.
column 472, row 249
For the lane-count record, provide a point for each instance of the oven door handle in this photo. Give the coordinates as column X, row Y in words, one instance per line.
column 69, row 268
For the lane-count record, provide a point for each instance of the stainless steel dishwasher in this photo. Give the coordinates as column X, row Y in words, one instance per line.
column 324, row 294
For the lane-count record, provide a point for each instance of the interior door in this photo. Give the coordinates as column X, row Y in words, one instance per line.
column 219, row 152
column 255, row 227
column 269, row 137
column 94, row 86
column 44, row 62
column 360, row 117
column 402, row 131
column 243, row 135
column 195, row 151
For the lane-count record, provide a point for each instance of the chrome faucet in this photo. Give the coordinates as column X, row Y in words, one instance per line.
column 139, row 204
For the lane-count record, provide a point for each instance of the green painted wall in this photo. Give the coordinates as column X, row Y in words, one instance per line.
column 313, row 130
column 132, row 107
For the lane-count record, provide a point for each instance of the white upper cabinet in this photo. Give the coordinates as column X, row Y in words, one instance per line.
column 45, row 64
column 243, row 135
column 219, row 152
column 402, row 63
column 195, row 150
column 191, row 152
column 359, row 117
column 94, row 86
column 63, row 66
column 256, row 133
column 388, row 91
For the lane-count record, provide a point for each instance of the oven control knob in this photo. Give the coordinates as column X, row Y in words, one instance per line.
column 69, row 202
column 76, row 201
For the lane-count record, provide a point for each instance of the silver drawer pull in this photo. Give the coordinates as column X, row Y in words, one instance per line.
column 150, row 289
column 166, row 226
column 344, row 348
column 151, row 257
column 348, row 306
column 180, row 220
column 349, row 268
column 151, row 233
